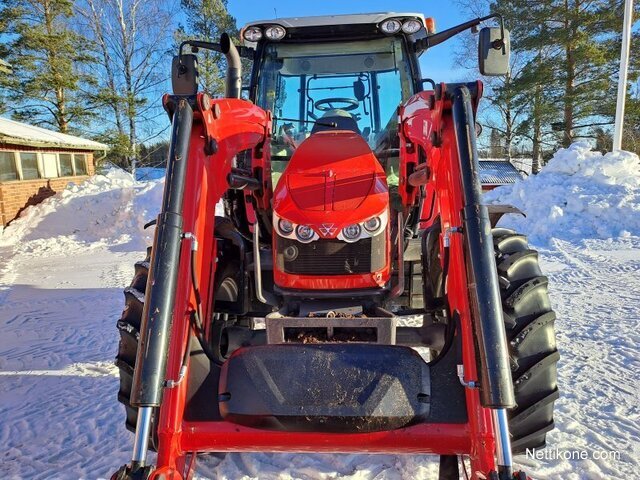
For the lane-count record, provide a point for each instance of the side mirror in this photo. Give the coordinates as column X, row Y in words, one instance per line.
column 184, row 74
column 493, row 51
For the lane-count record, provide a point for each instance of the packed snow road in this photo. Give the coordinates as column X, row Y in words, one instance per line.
column 64, row 263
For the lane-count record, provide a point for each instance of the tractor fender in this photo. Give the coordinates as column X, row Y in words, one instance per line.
column 497, row 211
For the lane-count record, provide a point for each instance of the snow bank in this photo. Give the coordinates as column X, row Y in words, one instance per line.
column 108, row 209
column 579, row 194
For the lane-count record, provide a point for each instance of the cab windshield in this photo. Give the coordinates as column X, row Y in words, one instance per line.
column 349, row 86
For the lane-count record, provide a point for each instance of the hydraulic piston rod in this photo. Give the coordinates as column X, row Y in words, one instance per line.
column 157, row 315
column 496, row 385
column 496, row 382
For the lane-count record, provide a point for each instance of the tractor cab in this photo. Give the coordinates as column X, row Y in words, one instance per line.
column 334, row 95
column 315, row 75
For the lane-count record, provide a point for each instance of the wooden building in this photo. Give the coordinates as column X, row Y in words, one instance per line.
column 35, row 163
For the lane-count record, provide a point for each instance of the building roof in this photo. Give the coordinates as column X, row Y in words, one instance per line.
column 325, row 20
column 19, row 133
column 498, row 172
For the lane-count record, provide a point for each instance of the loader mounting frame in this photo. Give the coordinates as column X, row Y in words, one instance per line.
column 438, row 180
column 237, row 125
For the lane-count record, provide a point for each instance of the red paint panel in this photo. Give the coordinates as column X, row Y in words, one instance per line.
column 351, row 189
column 332, row 171
column 237, row 125
column 442, row 438
column 308, row 190
column 332, row 282
column 423, row 119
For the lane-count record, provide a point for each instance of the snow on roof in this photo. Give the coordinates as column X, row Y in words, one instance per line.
column 24, row 134
column 498, row 172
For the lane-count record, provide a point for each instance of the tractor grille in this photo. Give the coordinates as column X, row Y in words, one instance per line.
column 331, row 257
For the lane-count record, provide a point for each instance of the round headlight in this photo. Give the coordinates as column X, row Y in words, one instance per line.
column 275, row 32
column 390, row 26
column 372, row 224
column 411, row 26
column 252, row 34
column 351, row 232
column 304, row 233
column 285, row 226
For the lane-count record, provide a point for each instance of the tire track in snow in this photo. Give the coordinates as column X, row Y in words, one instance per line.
column 596, row 301
column 59, row 418
column 61, row 427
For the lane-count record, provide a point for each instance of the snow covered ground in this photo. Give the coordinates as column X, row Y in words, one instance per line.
column 64, row 263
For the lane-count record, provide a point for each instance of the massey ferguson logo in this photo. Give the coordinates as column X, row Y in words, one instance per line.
column 327, row 229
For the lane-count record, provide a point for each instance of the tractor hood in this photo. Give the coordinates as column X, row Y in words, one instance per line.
column 332, row 178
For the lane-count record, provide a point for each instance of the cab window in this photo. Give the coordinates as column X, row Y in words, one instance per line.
column 349, row 85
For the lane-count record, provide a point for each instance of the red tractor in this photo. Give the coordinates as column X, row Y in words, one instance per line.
column 355, row 296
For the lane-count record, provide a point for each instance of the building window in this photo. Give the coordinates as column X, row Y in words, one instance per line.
column 66, row 167
column 8, row 170
column 49, row 165
column 29, row 164
column 80, row 163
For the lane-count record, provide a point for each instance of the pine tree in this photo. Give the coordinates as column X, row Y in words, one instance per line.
column 207, row 20
column 571, row 46
column 47, row 57
column 515, row 105
column 582, row 28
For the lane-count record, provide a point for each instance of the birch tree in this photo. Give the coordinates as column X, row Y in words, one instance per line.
column 45, row 87
column 131, row 41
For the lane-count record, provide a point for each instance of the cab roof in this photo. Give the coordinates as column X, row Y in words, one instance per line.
column 326, row 20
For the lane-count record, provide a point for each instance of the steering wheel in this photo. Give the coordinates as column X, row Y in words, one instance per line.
column 327, row 104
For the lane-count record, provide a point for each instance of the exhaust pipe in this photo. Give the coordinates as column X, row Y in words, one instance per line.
column 398, row 289
column 233, row 84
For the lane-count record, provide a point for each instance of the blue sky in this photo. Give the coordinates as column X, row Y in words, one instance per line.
column 437, row 63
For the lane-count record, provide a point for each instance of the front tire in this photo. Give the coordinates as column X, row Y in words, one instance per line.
column 529, row 322
column 130, row 321
column 129, row 327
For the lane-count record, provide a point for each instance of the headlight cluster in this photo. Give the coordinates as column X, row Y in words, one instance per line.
column 394, row 25
column 288, row 229
column 304, row 233
column 351, row 233
column 285, row 227
column 271, row 32
column 373, row 224
column 369, row 228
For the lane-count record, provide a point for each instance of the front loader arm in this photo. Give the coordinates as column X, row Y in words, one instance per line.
column 206, row 136
column 438, row 153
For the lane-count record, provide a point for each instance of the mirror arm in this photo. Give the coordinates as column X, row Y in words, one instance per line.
column 244, row 52
column 195, row 44
column 438, row 38
column 428, row 80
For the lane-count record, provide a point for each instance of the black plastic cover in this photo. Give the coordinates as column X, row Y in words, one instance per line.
column 342, row 387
